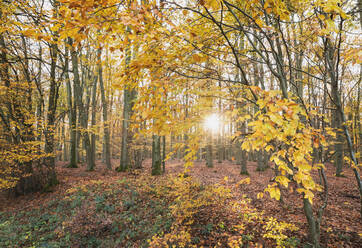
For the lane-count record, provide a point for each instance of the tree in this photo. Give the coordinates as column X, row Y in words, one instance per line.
column 107, row 148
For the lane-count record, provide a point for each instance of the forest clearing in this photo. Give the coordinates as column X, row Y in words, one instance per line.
column 180, row 123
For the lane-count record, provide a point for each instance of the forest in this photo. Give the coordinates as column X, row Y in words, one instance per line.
column 180, row 123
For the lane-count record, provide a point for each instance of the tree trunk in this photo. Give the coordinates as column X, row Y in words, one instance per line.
column 125, row 162
column 72, row 113
column 163, row 154
column 260, row 161
column 244, row 155
column 107, row 146
column 332, row 71
column 49, row 131
column 338, row 146
column 83, row 114
column 93, row 151
column 313, row 224
column 65, row 145
column 209, row 157
column 129, row 95
column 156, row 155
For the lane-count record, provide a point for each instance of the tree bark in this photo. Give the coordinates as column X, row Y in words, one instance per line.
column 163, row 154
column 129, row 96
column 107, row 145
column 83, row 113
column 156, row 155
column 93, row 151
column 209, row 157
column 72, row 114
column 52, row 107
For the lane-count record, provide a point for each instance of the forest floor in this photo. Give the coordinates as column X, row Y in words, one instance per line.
column 29, row 220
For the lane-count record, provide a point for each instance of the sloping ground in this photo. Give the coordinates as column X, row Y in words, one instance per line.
column 109, row 209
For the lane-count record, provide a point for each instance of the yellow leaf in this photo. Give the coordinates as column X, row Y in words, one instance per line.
column 244, row 181
column 245, row 146
column 282, row 180
column 196, row 57
column 260, row 195
column 269, row 147
column 55, row 28
column 259, row 22
column 132, row 36
column 274, row 192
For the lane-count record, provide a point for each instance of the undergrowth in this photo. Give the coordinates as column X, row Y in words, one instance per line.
column 144, row 212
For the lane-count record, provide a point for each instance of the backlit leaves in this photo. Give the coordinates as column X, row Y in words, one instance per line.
column 278, row 127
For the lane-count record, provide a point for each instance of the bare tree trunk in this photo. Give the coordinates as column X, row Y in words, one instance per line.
column 163, row 154
column 332, row 69
column 72, row 114
column 338, row 146
column 107, row 146
column 209, row 156
column 65, row 143
column 243, row 156
column 91, row 164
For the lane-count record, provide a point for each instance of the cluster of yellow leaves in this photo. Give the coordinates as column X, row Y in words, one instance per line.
column 275, row 230
column 272, row 229
column 13, row 157
column 212, row 4
column 351, row 163
column 281, row 126
column 188, row 198
column 180, row 237
column 6, row 20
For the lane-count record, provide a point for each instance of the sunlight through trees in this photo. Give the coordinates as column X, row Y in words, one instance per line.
column 169, row 88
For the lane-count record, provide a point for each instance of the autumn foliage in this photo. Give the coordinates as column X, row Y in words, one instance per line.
column 273, row 82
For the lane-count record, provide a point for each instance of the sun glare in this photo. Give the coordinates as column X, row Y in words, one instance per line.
column 212, row 123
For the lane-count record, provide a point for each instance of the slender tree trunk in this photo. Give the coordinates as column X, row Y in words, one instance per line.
column 107, row 146
column 179, row 150
column 65, row 143
column 338, row 146
column 72, row 113
column 93, row 151
column 313, row 224
column 209, row 156
column 163, row 154
column 244, row 155
column 332, row 71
